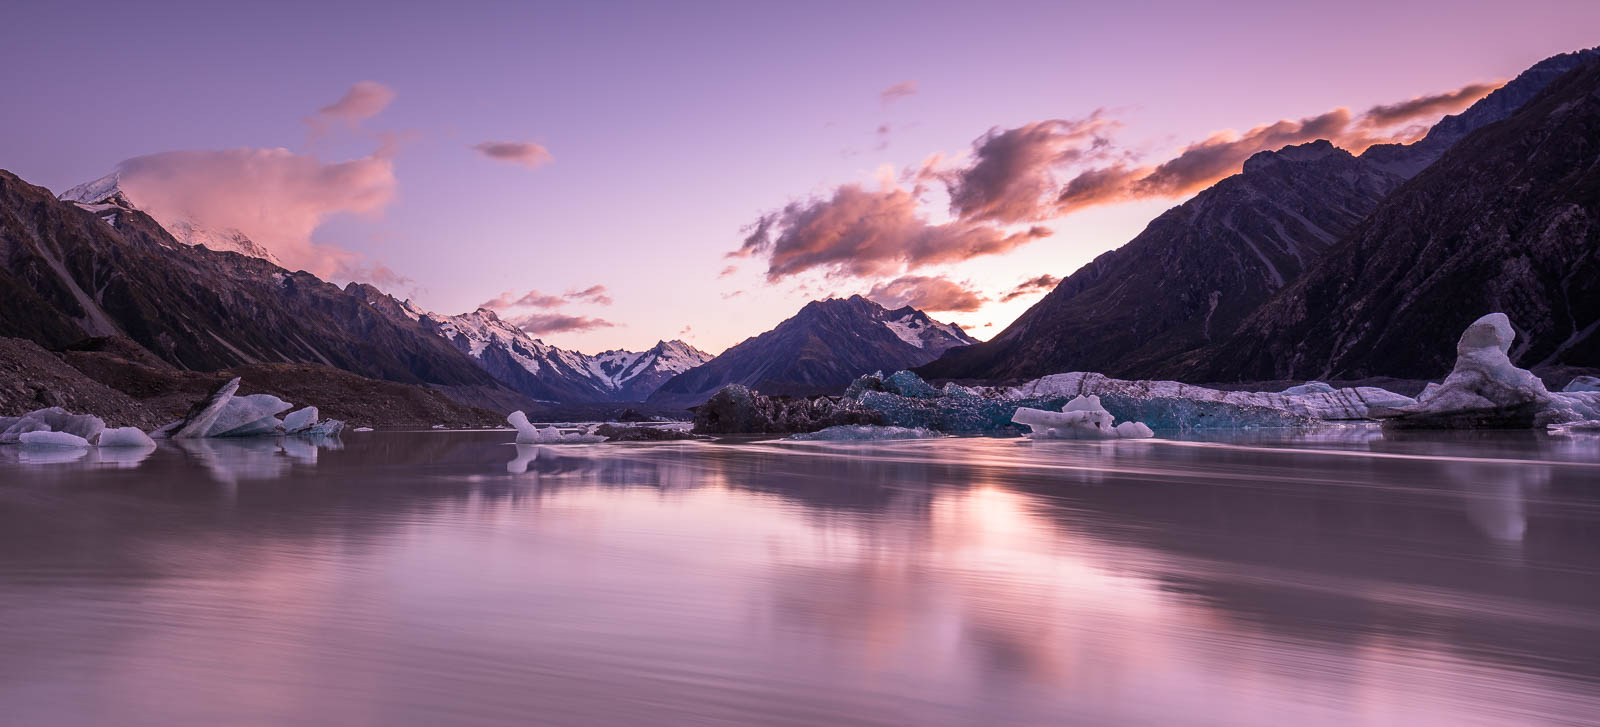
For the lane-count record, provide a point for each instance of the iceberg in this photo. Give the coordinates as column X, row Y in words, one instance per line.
column 125, row 437
column 53, row 419
column 52, row 440
column 1485, row 390
column 527, row 433
column 1081, row 418
column 864, row 433
column 198, row 421
column 300, row 420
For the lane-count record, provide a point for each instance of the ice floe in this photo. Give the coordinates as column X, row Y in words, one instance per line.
column 1081, row 418
column 527, row 433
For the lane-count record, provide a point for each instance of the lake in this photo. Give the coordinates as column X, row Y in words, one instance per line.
column 427, row 578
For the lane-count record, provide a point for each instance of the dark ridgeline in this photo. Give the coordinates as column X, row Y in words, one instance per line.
column 819, row 350
column 69, row 275
column 1507, row 220
column 1200, row 270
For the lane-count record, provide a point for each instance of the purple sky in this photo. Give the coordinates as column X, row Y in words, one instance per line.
column 509, row 149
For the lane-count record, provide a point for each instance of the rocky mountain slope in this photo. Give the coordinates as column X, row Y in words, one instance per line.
column 1191, row 276
column 68, row 274
column 1507, row 220
column 1197, row 271
column 821, row 349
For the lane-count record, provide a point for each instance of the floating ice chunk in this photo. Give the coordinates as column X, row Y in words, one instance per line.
column 1586, row 426
column 300, row 420
column 1582, row 383
column 1310, row 387
column 1081, row 418
column 325, row 429
column 865, row 433
column 527, row 433
column 125, row 437
column 199, row 420
column 53, row 419
column 1484, row 389
column 249, row 416
column 51, row 440
column 1134, row 430
column 363, row 429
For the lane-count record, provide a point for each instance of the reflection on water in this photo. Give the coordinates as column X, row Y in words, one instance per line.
column 427, row 578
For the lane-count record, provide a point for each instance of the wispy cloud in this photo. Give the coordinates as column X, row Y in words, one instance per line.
column 539, row 324
column 363, row 101
column 525, row 153
column 898, row 91
column 596, row 294
column 1042, row 284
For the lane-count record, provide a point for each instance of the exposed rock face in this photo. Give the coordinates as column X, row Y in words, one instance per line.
column 67, row 274
column 819, row 351
column 735, row 409
column 1507, row 220
column 1191, row 276
column 32, row 378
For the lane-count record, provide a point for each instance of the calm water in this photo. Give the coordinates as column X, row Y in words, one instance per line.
column 453, row 578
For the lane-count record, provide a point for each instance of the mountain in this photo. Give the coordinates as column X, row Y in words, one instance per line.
column 536, row 368
column 1197, row 271
column 106, row 198
column 68, row 274
column 820, row 350
column 1507, row 220
column 1408, row 159
column 1194, row 273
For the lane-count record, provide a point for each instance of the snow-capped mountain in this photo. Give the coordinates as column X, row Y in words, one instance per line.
column 541, row 370
column 107, row 199
column 821, row 349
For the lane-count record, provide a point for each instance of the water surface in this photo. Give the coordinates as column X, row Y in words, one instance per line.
column 455, row 578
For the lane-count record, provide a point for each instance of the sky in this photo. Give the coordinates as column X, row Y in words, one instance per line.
column 611, row 174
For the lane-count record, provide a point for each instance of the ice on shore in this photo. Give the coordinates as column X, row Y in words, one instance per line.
column 527, row 433
column 864, row 433
column 1081, row 418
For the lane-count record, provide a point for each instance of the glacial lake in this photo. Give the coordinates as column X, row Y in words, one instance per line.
column 430, row 578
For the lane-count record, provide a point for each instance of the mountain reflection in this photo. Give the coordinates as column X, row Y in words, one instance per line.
column 1010, row 581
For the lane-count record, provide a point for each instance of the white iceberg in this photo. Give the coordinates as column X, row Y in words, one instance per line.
column 1485, row 389
column 249, row 416
column 300, row 420
column 198, row 423
column 1243, row 408
column 125, row 437
column 53, row 419
column 363, row 429
column 1081, row 418
column 527, row 433
column 52, row 440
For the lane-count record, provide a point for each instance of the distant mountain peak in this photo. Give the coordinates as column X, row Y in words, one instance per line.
column 106, row 198
column 1308, row 152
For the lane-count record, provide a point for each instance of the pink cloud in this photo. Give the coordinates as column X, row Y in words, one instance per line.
column 546, row 323
column 273, row 196
column 929, row 293
column 898, row 91
column 364, row 100
column 1042, row 284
